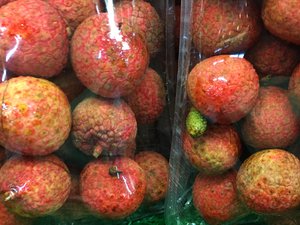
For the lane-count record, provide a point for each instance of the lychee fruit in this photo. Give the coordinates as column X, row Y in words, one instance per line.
column 282, row 19
column 103, row 125
column 148, row 99
column 223, row 27
column 107, row 60
column 34, row 187
column 223, row 88
column 156, row 168
column 271, row 56
column 33, row 38
column 294, row 87
column 216, row 197
column 113, row 189
column 216, row 151
column 195, row 123
column 272, row 122
column 35, row 116
column 142, row 18
column 6, row 217
column 269, row 181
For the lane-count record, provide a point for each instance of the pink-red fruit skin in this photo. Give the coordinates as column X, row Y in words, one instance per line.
column 107, row 60
column 42, row 185
column 36, row 116
column 33, row 38
column 223, row 88
column 269, row 181
column 113, row 196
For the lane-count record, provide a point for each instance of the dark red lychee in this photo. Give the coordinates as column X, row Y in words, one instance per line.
column 222, row 27
column 33, row 187
column 113, row 189
column 156, row 168
column 216, row 151
column 149, row 98
column 282, row 18
column 103, row 125
column 272, row 122
column 107, row 60
column 223, row 88
column 216, row 197
column 35, row 116
column 269, row 181
column 33, row 38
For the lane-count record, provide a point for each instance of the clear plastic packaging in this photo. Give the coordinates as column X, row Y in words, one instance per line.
column 87, row 97
column 234, row 155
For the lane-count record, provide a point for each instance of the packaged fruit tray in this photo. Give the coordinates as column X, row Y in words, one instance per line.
column 235, row 146
column 87, row 96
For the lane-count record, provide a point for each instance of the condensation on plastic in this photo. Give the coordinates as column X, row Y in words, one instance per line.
column 180, row 207
column 42, row 124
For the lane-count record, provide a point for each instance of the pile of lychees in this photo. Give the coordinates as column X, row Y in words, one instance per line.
column 244, row 101
column 50, row 52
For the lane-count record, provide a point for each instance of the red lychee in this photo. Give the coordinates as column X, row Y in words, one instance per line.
column 282, row 19
column 272, row 122
column 216, row 197
column 33, row 38
column 103, row 125
column 223, row 88
column 222, row 27
column 149, row 98
column 269, row 181
column 216, row 151
column 107, row 60
column 35, row 116
column 34, row 187
column 156, row 168
column 113, row 189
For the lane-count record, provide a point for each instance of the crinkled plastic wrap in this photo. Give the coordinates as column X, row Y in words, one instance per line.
column 235, row 147
column 87, row 96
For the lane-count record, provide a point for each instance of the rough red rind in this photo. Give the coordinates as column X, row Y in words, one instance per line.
column 269, row 181
column 221, row 27
column 223, row 88
column 109, row 196
column 33, row 38
column 6, row 217
column 272, row 122
column 103, row 125
column 282, row 19
column 3, row 2
column 141, row 17
column 156, row 168
column 43, row 184
column 216, row 198
column 149, row 98
column 35, row 116
column 294, row 86
column 109, row 62
column 216, row 151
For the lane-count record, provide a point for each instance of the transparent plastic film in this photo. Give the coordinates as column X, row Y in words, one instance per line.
column 234, row 153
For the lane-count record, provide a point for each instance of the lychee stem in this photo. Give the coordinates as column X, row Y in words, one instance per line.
column 114, row 171
column 10, row 195
column 97, row 151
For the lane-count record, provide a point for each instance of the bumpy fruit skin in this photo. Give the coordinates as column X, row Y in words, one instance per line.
column 108, row 61
column 294, row 86
column 269, row 181
column 196, row 124
column 156, row 168
column 282, row 19
column 36, row 116
column 216, row 151
column 271, row 56
column 141, row 17
column 6, row 217
column 42, row 185
column 33, row 38
column 216, row 198
column 103, row 125
column 148, row 99
column 110, row 195
column 272, row 122
column 223, row 88
column 221, row 27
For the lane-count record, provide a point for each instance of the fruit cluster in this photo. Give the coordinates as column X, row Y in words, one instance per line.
column 51, row 51
column 242, row 121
